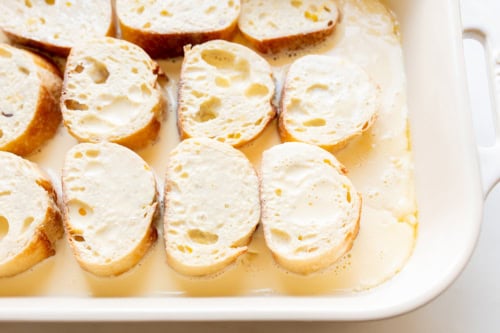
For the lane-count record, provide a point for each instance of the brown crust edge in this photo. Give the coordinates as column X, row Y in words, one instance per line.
column 169, row 45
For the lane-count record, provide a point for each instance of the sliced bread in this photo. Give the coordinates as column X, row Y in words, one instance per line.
column 110, row 201
column 326, row 101
column 310, row 209
column 163, row 28
column 272, row 26
column 29, row 100
column 111, row 93
column 55, row 25
column 225, row 93
column 211, row 206
column 30, row 221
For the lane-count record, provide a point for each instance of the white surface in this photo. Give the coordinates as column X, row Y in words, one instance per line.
column 471, row 304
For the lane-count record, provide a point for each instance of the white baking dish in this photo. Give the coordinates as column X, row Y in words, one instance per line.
column 449, row 194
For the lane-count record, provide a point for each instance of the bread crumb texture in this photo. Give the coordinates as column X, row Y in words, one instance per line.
column 326, row 101
column 311, row 210
column 110, row 200
column 225, row 93
column 111, row 93
column 212, row 206
column 55, row 25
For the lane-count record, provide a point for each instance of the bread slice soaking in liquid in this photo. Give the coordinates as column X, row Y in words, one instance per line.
column 211, row 206
column 111, row 93
column 327, row 101
column 163, row 27
column 30, row 221
column 225, row 93
column 272, row 26
column 310, row 209
column 110, row 201
column 55, row 26
column 29, row 100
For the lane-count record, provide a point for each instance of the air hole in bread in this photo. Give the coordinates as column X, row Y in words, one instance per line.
column 230, row 3
column 296, row 3
column 210, row 10
column 28, row 3
column 24, row 70
column 184, row 249
column 1, row 133
column 134, row 70
column 50, row 2
column 365, row 126
column 202, row 237
column 92, row 153
column 234, row 136
column 72, row 104
column 208, row 110
column 97, row 71
column 140, row 10
column 316, row 122
column 165, row 12
column 4, row 227
column 311, row 16
column 5, row 193
column 147, row 25
column 82, row 211
column 145, row 89
column 218, row 58
column 278, row 192
column 185, row 175
column 68, row 4
column 27, row 223
column 258, row 121
column 78, row 155
column 78, row 238
column 178, row 168
column 280, row 236
column 256, row 90
column 4, row 53
column 222, row 82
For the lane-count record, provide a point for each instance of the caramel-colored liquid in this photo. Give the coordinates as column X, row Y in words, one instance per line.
column 379, row 163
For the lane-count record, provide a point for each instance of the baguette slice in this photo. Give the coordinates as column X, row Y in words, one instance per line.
column 163, row 28
column 211, row 206
column 110, row 201
column 326, row 101
column 55, row 26
column 310, row 209
column 225, row 93
column 30, row 221
column 29, row 100
column 111, row 93
column 272, row 26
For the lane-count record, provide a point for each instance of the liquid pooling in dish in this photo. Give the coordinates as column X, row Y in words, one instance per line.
column 379, row 162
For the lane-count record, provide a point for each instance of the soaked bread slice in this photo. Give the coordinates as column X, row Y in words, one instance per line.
column 30, row 221
column 29, row 100
column 111, row 93
column 225, row 93
column 110, row 201
column 211, row 206
column 272, row 26
column 326, row 101
column 310, row 209
column 163, row 28
column 55, row 26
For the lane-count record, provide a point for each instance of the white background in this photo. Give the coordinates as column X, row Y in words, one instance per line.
column 471, row 304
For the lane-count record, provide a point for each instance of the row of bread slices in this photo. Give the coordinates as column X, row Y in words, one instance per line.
column 213, row 203
column 163, row 27
column 111, row 92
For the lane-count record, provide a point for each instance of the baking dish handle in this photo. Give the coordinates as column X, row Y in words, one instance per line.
column 480, row 20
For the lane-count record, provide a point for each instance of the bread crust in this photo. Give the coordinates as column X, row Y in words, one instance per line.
column 159, row 45
column 291, row 42
column 47, row 114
